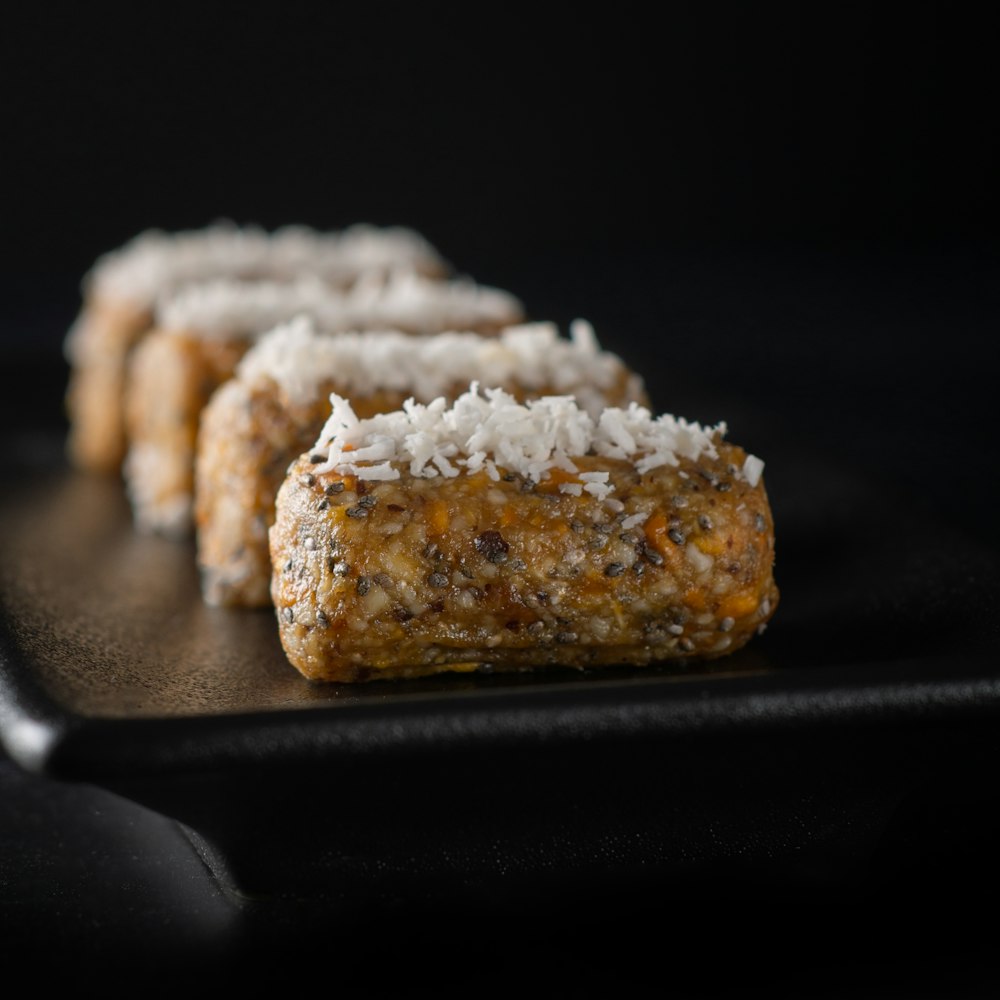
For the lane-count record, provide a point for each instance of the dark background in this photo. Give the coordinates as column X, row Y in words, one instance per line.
column 529, row 151
column 784, row 215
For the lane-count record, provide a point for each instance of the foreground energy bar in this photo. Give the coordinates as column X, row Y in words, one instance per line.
column 515, row 536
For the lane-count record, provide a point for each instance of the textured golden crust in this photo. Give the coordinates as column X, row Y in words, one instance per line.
column 248, row 438
column 376, row 579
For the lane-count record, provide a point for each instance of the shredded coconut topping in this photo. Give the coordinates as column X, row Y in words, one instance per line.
column 401, row 300
column 299, row 359
column 155, row 261
column 489, row 425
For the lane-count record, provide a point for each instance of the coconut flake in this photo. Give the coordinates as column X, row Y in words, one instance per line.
column 401, row 301
column 157, row 261
column 753, row 468
column 299, row 357
column 529, row 439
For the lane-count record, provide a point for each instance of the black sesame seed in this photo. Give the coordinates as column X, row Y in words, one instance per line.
column 614, row 569
column 337, row 487
column 438, row 580
column 363, row 585
column 676, row 536
column 358, row 511
column 307, row 479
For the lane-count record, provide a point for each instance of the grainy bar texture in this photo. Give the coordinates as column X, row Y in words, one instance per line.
column 259, row 422
column 410, row 576
column 207, row 330
column 123, row 287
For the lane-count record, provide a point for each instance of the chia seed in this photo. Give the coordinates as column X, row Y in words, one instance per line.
column 337, row 487
column 686, row 644
column 724, row 487
column 363, row 585
column 676, row 536
column 341, row 569
column 321, row 619
column 652, row 555
column 358, row 511
column 437, row 580
column 705, row 522
column 614, row 569
column 323, row 504
column 759, row 522
column 492, row 545
column 367, row 502
column 289, row 615
column 679, row 501
column 726, row 624
column 518, row 564
column 565, row 637
column 307, row 479
column 317, row 458
column 577, row 526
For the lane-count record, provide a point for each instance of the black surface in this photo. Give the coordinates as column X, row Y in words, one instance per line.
column 784, row 218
